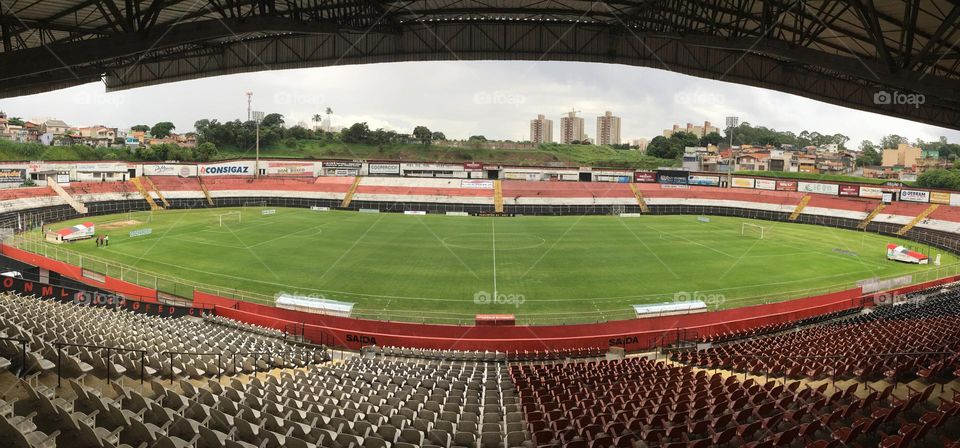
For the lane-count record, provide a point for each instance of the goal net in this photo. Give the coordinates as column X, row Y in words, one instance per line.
column 228, row 218
column 143, row 216
column 753, row 230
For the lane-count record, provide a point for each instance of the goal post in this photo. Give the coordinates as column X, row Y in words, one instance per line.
column 142, row 216
column 753, row 230
column 227, row 218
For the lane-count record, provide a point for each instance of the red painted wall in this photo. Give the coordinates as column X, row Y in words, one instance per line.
column 118, row 286
column 633, row 334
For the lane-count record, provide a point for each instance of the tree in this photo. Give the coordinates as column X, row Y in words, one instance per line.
column 438, row 136
column 15, row 121
column 939, row 178
column 272, row 121
column 162, row 129
column 660, row 147
column 205, row 151
column 423, row 134
column 317, row 118
column 713, row 138
column 356, row 133
column 892, row 141
column 869, row 156
column 140, row 128
column 840, row 140
column 477, row 138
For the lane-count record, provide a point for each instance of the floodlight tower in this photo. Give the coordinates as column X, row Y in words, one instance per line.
column 732, row 122
column 249, row 102
column 257, row 117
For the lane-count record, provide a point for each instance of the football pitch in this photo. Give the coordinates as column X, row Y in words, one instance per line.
column 443, row 268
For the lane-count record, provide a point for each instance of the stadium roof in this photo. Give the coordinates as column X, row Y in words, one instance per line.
column 845, row 52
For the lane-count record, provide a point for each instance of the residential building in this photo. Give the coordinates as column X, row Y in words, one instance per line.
column 4, row 127
column 699, row 131
column 29, row 132
column 55, row 127
column 904, row 156
column 97, row 135
column 571, row 128
column 829, row 147
column 541, row 130
column 640, row 144
column 753, row 161
column 608, row 129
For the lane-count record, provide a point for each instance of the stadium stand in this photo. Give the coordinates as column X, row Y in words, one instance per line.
column 420, row 190
column 920, row 333
column 139, row 342
column 386, row 397
column 619, row 403
column 778, row 327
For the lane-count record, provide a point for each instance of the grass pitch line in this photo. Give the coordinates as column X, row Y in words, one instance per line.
column 493, row 234
column 296, row 233
column 248, row 249
column 335, row 263
column 552, row 246
column 445, row 246
column 690, row 241
column 674, row 274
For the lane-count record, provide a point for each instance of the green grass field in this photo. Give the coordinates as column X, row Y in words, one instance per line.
column 565, row 269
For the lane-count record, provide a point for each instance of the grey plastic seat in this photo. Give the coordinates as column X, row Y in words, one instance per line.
column 465, row 439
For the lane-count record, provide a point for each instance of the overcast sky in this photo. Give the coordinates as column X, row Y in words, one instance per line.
column 495, row 99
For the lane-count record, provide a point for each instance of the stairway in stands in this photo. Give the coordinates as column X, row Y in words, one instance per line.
column 152, row 186
column 349, row 196
column 873, row 214
column 206, row 193
column 799, row 208
column 916, row 220
column 498, row 196
column 77, row 205
column 146, row 194
column 640, row 201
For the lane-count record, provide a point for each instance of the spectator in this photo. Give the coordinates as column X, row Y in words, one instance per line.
column 106, row 240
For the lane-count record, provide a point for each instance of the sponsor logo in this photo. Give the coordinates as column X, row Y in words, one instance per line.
column 12, row 175
column 383, row 168
column 225, row 170
column 161, row 170
column 361, row 339
column 645, row 177
column 914, row 195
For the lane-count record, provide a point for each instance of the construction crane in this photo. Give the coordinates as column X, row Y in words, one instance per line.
column 573, row 111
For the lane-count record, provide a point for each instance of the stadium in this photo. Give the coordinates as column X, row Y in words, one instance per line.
column 261, row 302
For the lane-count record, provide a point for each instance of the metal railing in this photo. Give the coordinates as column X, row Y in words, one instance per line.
column 59, row 345
column 256, row 369
column 23, row 353
column 33, row 241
